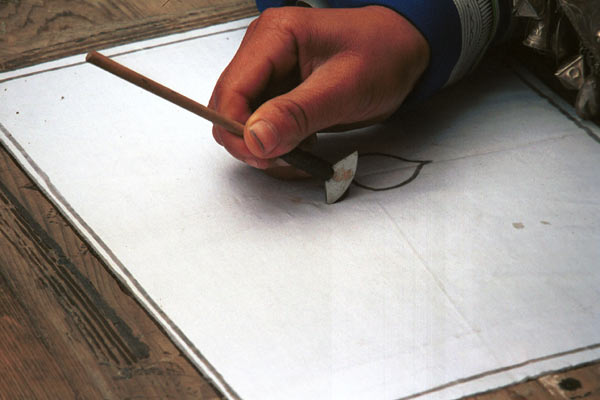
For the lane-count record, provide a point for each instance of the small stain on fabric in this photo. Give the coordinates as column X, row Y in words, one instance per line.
column 518, row 225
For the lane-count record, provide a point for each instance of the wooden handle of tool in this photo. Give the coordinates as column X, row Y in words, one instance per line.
column 148, row 84
column 300, row 159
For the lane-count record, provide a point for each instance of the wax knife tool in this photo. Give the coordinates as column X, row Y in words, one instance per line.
column 337, row 177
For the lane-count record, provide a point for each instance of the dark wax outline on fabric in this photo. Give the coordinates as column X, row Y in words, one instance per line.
column 421, row 164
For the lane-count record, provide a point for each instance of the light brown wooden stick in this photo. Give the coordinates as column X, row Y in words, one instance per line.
column 300, row 159
column 170, row 95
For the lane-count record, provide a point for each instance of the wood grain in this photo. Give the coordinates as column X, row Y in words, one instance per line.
column 530, row 390
column 34, row 31
column 578, row 383
column 68, row 330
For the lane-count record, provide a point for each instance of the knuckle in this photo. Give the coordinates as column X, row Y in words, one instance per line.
column 252, row 25
column 299, row 117
column 271, row 14
column 280, row 18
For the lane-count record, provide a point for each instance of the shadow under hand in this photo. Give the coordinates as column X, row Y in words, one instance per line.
column 449, row 125
column 460, row 121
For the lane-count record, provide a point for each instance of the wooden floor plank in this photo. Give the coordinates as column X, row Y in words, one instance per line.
column 24, row 352
column 34, row 31
column 578, row 383
column 530, row 390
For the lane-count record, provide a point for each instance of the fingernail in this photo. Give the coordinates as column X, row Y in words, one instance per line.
column 278, row 162
column 252, row 162
column 265, row 135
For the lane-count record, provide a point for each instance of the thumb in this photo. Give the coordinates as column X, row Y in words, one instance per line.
column 280, row 124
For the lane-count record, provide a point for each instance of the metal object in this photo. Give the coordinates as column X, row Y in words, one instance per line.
column 587, row 103
column 539, row 36
column 571, row 73
column 343, row 174
column 529, row 8
column 540, row 27
column 584, row 16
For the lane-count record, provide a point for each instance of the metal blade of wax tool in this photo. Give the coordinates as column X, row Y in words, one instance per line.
column 343, row 174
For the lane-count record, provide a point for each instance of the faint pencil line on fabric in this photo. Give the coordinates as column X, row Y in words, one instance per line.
column 500, row 370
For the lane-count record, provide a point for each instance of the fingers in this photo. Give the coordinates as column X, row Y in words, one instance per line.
column 266, row 56
column 324, row 99
column 235, row 107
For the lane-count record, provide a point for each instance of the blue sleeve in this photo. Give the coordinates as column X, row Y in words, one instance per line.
column 440, row 23
column 264, row 4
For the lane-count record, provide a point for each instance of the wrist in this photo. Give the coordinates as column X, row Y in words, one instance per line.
column 408, row 43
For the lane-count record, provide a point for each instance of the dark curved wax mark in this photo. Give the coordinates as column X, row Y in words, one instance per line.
column 418, row 169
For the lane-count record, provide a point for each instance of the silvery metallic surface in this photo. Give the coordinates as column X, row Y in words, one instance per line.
column 343, row 174
column 571, row 73
column 529, row 8
column 538, row 36
column 540, row 27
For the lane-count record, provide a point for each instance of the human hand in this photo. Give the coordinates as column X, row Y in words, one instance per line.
column 301, row 70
